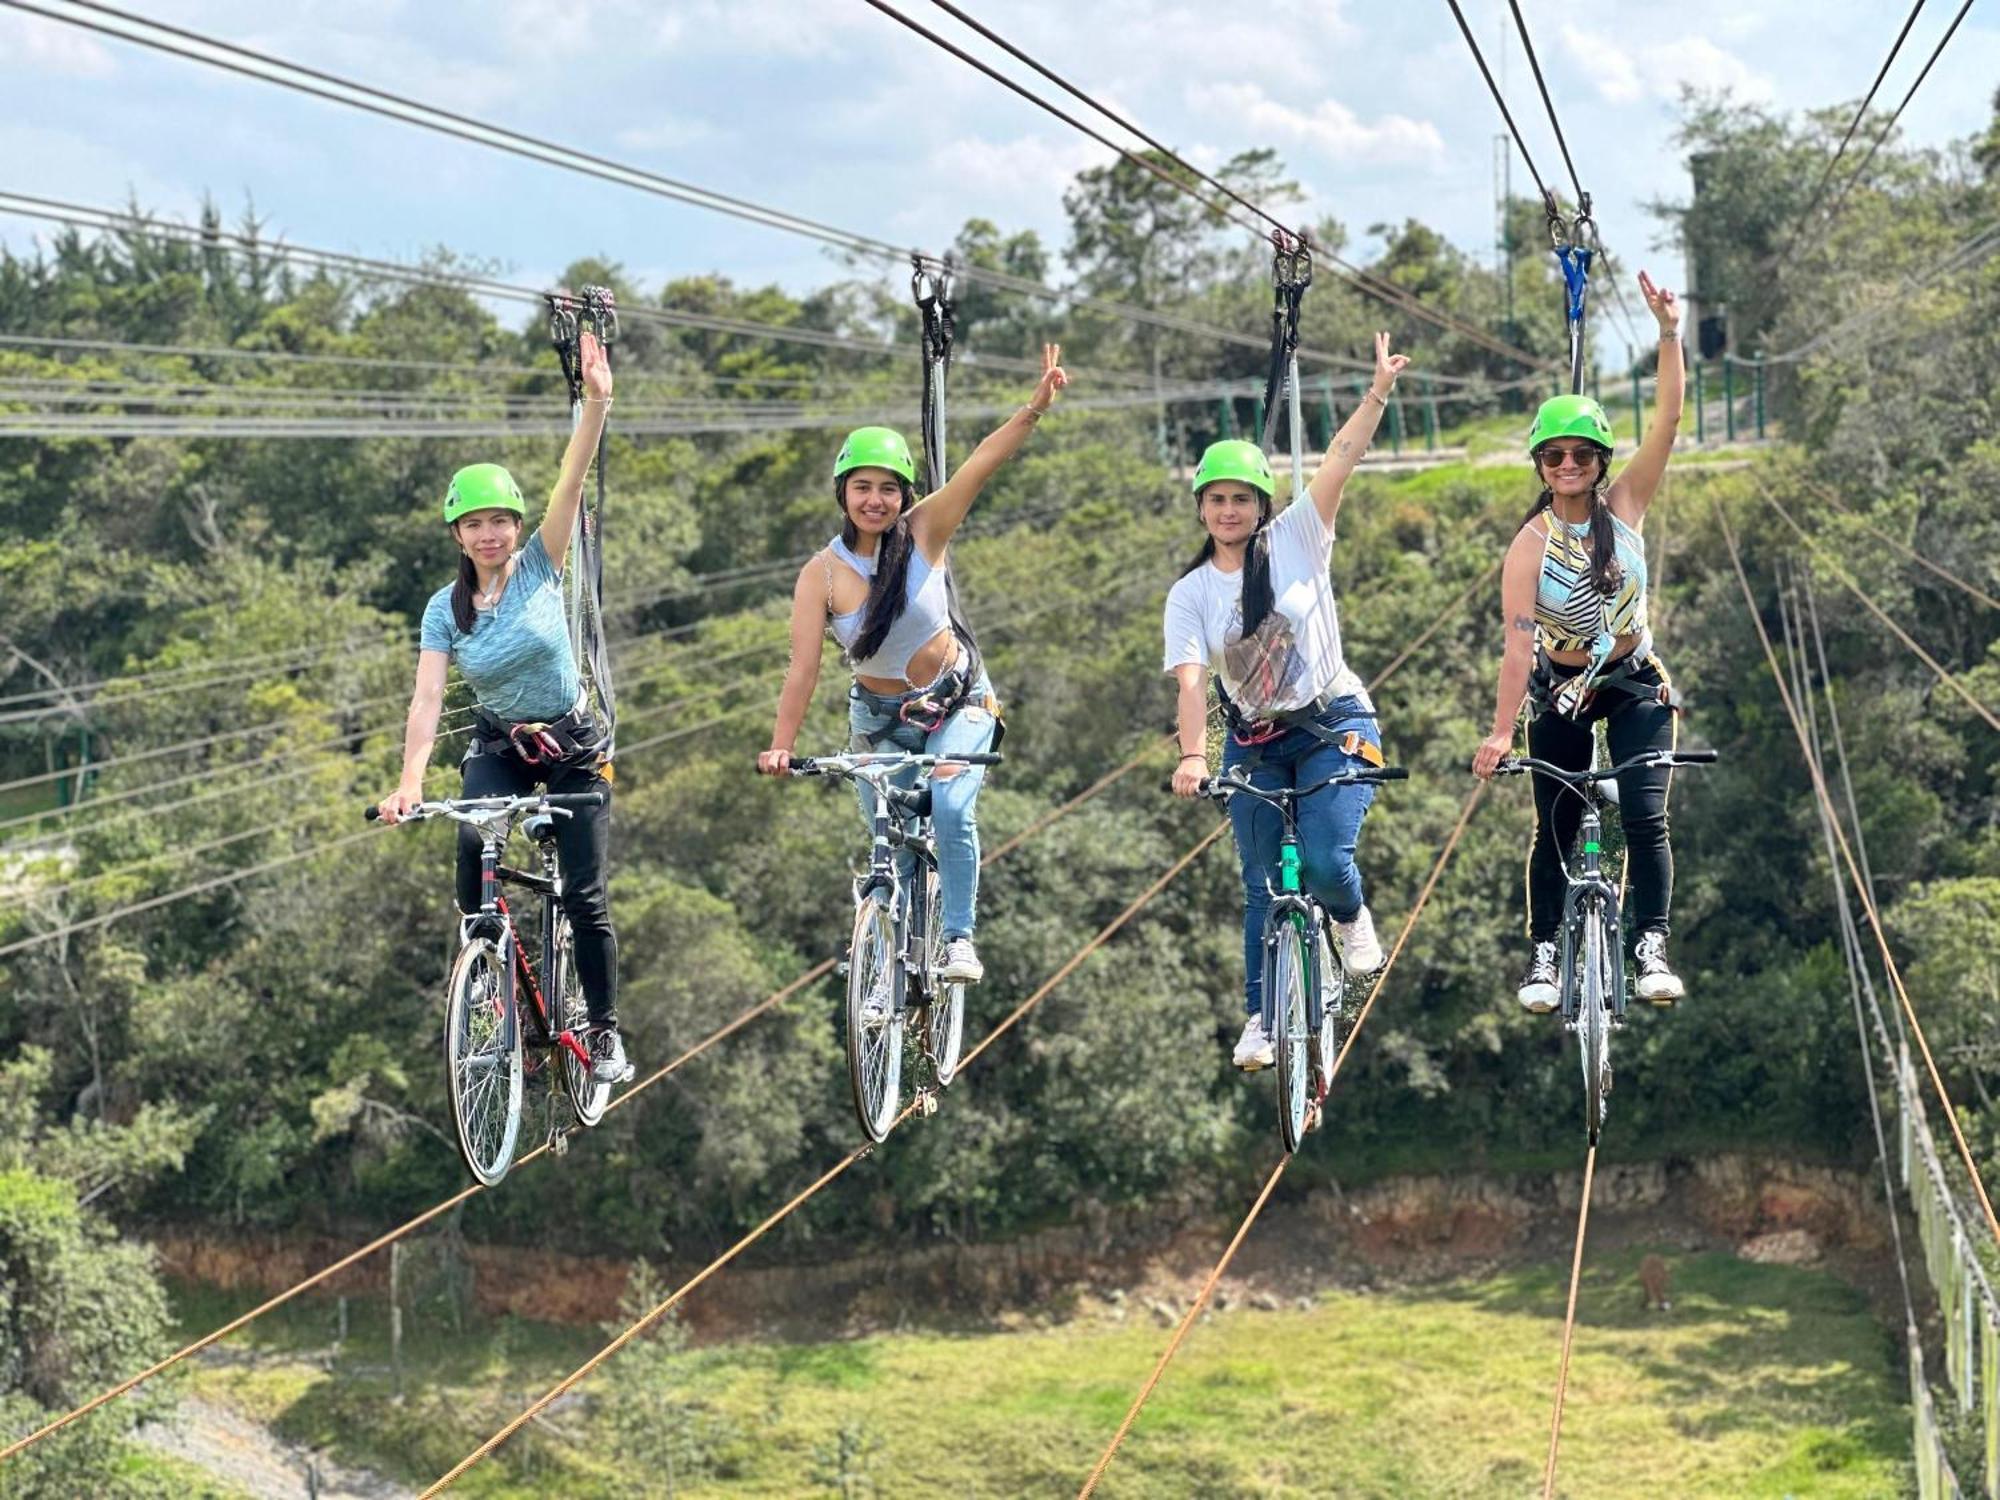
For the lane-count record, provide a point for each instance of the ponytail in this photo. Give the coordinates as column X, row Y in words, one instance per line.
column 462, row 612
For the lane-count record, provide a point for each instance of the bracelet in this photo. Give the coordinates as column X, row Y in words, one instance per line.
column 1035, row 413
column 1670, row 335
column 598, row 400
column 1384, row 400
column 1200, row 755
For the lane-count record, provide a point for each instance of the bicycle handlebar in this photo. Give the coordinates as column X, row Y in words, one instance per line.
column 849, row 765
column 1222, row 788
column 451, row 807
column 1520, row 765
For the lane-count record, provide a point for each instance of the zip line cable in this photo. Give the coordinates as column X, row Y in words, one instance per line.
column 1499, row 99
column 1367, row 282
column 1257, row 1206
column 1819, row 188
column 1861, row 172
column 660, row 1310
column 1833, row 566
column 1548, row 104
column 762, row 1007
column 548, row 153
column 1971, row 252
column 1867, row 897
column 1831, row 498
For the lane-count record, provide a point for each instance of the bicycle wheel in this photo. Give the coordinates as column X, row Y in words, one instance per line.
column 482, row 1061
column 875, row 1015
column 944, row 1016
column 1290, row 1005
column 1333, row 1018
column 587, row 1096
column 1593, row 1023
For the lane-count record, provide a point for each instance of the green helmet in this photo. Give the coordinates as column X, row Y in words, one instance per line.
column 1233, row 458
column 876, row 448
column 482, row 487
column 1570, row 416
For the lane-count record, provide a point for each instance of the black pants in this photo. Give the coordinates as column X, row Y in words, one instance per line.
column 1632, row 727
column 584, row 842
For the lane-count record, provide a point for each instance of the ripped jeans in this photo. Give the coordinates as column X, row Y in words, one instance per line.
column 873, row 724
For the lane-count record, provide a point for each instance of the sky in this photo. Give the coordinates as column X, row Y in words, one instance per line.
column 831, row 110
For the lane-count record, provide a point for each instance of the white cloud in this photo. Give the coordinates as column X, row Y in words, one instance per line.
column 1030, row 168
column 666, row 133
column 1330, row 127
column 1620, row 77
column 48, row 47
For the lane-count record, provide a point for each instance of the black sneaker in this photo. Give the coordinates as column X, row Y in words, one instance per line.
column 607, row 1056
column 1657, row 984
column 1538, row 993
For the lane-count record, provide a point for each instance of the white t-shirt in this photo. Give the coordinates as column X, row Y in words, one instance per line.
column 1294, row 658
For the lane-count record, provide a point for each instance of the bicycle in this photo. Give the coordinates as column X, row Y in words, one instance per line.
column 493, row 1043
column 1304, row 1001
column 1594, row 982
column 897, row 944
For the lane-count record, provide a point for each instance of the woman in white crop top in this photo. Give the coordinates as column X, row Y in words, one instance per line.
column 1297, row 710
column 882, row 588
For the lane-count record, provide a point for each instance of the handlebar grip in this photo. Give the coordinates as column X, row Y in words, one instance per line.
column 1390, row 773
column 576, row 799
column 805, row 765
column 976, row 758
column 1697, row 757
column 371, row 812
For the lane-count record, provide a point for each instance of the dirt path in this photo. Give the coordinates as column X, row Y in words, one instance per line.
column 238, row 1452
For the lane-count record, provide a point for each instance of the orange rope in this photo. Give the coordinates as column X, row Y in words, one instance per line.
column 1569, row 1327
column 1903, row 547
column 1436, row 625
column 1901, row 634
column 1243, row 1229
column 569, row 1381
column 1861, row 886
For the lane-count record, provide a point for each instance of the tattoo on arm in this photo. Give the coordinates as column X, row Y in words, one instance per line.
column 1523, row 622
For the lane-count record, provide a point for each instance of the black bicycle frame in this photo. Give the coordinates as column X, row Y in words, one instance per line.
column 513, row 962
column 891, row 806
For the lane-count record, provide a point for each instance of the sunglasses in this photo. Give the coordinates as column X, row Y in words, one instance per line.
column 1550, row 456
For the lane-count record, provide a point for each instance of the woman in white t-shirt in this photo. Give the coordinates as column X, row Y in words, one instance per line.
column 1296, row 711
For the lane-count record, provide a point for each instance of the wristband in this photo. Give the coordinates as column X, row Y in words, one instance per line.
column 1383, row 400
column 1200, row 755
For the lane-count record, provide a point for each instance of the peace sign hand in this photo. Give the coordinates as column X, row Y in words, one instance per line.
column 1666, row 310
column 1054, row 378
column 1387, row 366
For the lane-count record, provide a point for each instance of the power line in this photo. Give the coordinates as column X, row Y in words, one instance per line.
column 1367, row 282
column 1819, row 188
column 1861, row 171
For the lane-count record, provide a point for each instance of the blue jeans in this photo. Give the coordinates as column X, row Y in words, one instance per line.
column 1329, row 827
column 873, row 725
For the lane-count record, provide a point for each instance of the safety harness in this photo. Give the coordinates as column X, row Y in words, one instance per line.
column 931, row 287
column 1575, row 244
column 592, row 310
column 1291, row 274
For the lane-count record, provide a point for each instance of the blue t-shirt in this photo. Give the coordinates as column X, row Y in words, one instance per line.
column 517, row 655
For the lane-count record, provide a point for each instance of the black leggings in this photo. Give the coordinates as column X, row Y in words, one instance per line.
column 584, row 842
column 1632, row 727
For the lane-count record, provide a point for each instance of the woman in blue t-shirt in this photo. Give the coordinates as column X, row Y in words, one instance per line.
column 503, row 623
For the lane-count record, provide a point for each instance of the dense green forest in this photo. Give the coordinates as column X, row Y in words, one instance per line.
column 263, row 1052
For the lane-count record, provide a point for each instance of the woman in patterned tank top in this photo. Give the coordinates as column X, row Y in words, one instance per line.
column 1573, row 602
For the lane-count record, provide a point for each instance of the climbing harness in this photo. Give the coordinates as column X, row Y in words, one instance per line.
column 931, row 288
column 593, row 310
column 550, row 742
column 1575, row 244
column 1571, row 696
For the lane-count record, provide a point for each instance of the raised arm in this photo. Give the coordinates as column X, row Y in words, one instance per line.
column 935, row 519
column 809, row 607
column 1639, row 480
column 559, row 521
column 1329, row 481
column 1518, row 577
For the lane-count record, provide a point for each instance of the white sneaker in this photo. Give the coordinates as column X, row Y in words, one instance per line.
column 1253, row 1048
column 607, row 1057
column 1360, row 949
column 961, row 962
column 1658, row 984
column 1538, row 993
